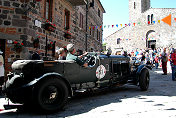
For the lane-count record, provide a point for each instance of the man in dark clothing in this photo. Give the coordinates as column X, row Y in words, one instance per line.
column 164, row 61
column 173, row 59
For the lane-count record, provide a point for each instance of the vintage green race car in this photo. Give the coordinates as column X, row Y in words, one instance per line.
column 47, row 85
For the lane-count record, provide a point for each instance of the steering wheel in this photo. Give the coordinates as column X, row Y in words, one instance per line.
column 90, row 59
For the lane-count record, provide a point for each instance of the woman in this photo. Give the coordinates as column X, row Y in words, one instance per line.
column 1, row 68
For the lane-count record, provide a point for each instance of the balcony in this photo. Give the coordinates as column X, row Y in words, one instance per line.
column 77, row 2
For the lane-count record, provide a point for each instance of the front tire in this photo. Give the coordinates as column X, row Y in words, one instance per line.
column 51, row 95
column 144, row 80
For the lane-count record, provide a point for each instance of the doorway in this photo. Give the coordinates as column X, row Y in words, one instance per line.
column 2, row 47
column 152, row 44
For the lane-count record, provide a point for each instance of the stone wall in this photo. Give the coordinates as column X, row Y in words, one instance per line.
column 139, row 35
column 17, row 23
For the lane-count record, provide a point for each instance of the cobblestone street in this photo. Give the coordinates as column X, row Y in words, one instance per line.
column 124, row 102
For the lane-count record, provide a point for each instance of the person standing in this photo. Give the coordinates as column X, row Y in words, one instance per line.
column 136, row 53
column 1, row 68
column 164, row 60
column 173, row 59
column 156, row 61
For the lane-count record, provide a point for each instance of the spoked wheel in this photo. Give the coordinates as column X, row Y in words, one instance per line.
column 51, row 95
column 144, row 80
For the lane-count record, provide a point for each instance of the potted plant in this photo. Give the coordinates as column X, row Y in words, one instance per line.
column 49, row 26
column 67, row 35
column 50, row 45
column 18, row 46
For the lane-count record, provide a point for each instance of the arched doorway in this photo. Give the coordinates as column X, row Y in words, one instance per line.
column 151, row 39
column 2, row 46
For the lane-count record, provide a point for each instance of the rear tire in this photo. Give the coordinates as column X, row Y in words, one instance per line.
column 144, row 80
column 51, row 95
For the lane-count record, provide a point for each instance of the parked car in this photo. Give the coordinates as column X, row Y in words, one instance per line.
column 47, row 85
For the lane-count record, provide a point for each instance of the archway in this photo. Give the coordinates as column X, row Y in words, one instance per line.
column 150, row 39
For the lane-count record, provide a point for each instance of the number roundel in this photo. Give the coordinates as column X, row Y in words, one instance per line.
column 100, row 72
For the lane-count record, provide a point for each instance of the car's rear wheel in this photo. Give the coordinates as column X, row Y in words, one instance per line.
column 51, row 95
column 144, row 80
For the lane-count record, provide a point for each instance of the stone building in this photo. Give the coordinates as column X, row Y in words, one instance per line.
column 148, row 31
column 22, row 23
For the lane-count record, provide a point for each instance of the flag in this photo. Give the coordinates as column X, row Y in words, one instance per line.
column 134, row 24
column 175, row 19
column 117, row 25
column 112, row 26
column 154, row 22
column 121, row 25
column 159, row 21
column 129, row 24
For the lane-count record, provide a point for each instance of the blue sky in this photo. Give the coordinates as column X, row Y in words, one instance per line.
column 117, row 12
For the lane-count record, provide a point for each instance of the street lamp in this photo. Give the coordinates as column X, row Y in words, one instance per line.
column 87, row 11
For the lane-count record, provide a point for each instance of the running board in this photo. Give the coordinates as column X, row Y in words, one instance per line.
column 7, row 107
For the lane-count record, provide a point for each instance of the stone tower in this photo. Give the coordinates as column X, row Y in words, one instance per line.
column 136, row 8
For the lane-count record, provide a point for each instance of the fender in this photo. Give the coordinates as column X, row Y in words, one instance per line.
column 37, row 80
column 140, row 69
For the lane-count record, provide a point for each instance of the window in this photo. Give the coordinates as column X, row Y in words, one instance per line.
column 99, row 36
column 48, row 9
column 118, row 41
column 152, row 19
column 67, row 19
column 134, row 5
column 81, row 20
column 99, row 12
column 92, row 4
column 148, row 19
column 93, row 32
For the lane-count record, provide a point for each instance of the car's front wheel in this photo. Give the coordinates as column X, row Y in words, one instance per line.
column 51, row 95
column 144, row 80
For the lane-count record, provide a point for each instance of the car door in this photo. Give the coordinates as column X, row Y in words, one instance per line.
column 71, row 72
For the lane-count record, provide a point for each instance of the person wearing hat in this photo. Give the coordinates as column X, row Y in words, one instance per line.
column 1, row 68
column 62, row 54
column 71, row 56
